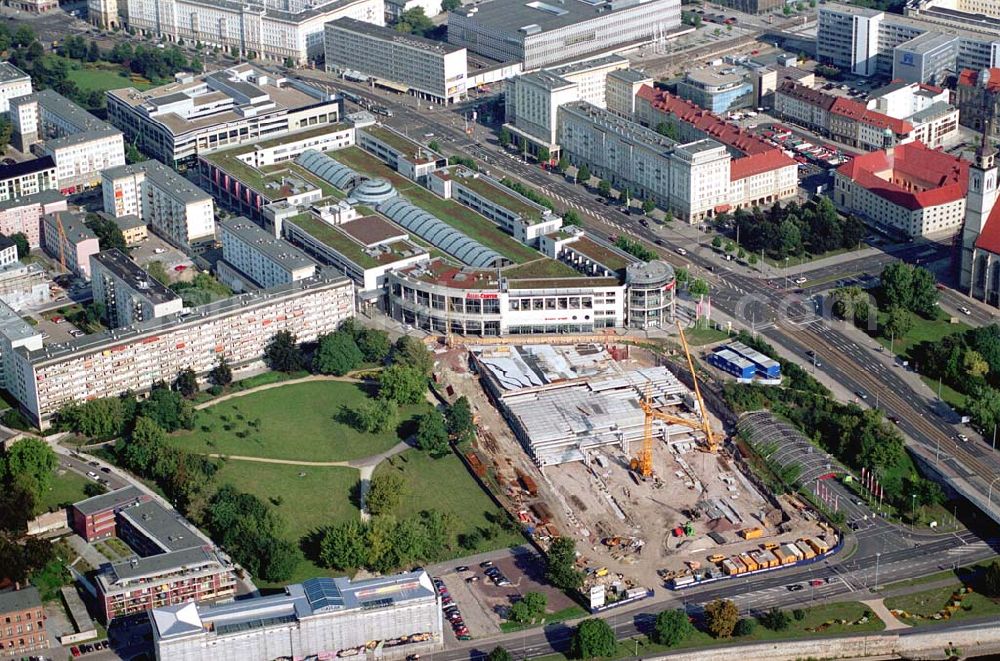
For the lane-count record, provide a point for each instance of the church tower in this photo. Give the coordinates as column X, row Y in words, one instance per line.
column 981, row 198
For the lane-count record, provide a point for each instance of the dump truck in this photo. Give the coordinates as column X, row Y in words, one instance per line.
column 752, row 533
column 716, row 558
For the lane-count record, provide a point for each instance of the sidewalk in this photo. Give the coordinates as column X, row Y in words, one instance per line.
column 891, row 623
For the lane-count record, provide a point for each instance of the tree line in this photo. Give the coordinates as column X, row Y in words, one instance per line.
column 793, row 230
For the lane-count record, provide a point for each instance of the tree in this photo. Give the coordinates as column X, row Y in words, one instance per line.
column 648, row 205
column 411, row 352
column 459, row 419
column 338, row 353
column 187, row 382
column 504, row 138
column 721, row 616
column 450, row 5
column 583, row 174
column 717, row 242
column 144, row 447
column 991, row 579
column 99, row 418
column 344, row 545
column 561, row 568
column 729, row 247
column 572, row 218
column 562, row 165
column 698, row 287
column 672, row 627
column 529, row 608
column 374, row 344
column 775, row 619
column 402, row 385
column 432, row 436
column 499, row 654
column 851, row 304
column 897, row 285
column 132, row 154
column 12, row 559
column 222, row 373
column 282, row 354
column 593, row 638
column 372, row 416
column 789, row 238
column 604, row 188
column 168, row 409
column 289, row 63
column 898, row 323
column 385, row 492
column 752, row 260
column 93, row 52
column 21, row 241
column 745, row 627
column 17, row 504
column 434, row 145
column 30, row 458
column 924, row 296
column 975, row 365
column 37, row 553
column 544, row 156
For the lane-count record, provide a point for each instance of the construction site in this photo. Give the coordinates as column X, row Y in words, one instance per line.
column 606, row 444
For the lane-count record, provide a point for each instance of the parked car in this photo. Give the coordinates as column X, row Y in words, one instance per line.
column 472, row 579
column 795, row 587
column 487, row 563
column 461, row 568
column 681, row 251
column 75, row 651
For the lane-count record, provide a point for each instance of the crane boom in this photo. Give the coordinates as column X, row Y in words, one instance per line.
column 710, row 442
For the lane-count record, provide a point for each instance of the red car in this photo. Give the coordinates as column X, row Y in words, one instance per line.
column 74, row 651
column 180, row 268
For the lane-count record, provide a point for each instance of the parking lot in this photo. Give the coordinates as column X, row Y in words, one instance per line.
column 484, row 593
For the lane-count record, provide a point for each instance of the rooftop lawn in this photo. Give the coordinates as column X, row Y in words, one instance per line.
column 398, row 142
column 67, row 488
column 497, row 194
column 458, row 216
column 462, row 496
column 296, row 421
column 345, row 245
column 600, row 253
column 542, row 268
column 258, row 179
column 306, row 497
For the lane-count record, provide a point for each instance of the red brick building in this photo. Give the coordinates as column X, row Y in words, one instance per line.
column 96, row 518
column 22, row 623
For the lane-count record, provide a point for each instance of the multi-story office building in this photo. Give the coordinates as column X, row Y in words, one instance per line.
column 97, row 517
column 198, row 114
column 20, row 180
column 23, row 214
column 66, row 237
column 908, row 189
column 979, row 15
column 427, row 69
column 926, row 107
column 759, row 174
column 253, row 258
column 175, row 208
column 136, row 357
column 80, row 144
column 718, row 89
column 691, row 180
column 533, row 99
column 754, row 6
column 272, row 29
column 14, row 332
column 540, row 34
column 14, row 84
column 864, row 42
column 128, row 293
column 321, row 617
column 22, row 622
column 174, row 563
column 977, row 96
column 8, row 251
column 622, row 87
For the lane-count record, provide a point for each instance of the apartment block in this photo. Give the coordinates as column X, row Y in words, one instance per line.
column 23, row 285
column 622, row 87
column 22, row 622
column 96, row 518
column 427, row 69
column 14, row 83
column 14, row 332
column 23, row 214
column 270, row 29
column 19, row 180
column 198, row 114
column 66, row 237
column 175, row 208
column 80, row 144
column 127, row 292
column 254, row 258
column 136, row 357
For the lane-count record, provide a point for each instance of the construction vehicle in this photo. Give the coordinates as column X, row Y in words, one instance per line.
column 643, row 463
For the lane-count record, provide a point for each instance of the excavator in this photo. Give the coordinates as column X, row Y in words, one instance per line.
column 643, row 463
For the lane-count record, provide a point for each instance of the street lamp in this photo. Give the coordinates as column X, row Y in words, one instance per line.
column 913, row 509
column 878, row 556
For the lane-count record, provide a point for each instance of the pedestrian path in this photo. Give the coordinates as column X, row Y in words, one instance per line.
column 891, row 622
column 364, row 462
column 269, row 386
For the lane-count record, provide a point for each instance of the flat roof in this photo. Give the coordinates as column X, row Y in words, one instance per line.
column 26, row 598
column 716, row 75
column 371, row 230
column 41, row 197
column 12, row 326
column 631, row 75
column 154, row 565
column 22, row 168
column 74, row 225
column 164, row 177
column 393, row 35
column 913, row 22
column 545, row 79
column 344, row 243
column 72, row 114
column 600, row 253
column 9, row 73
column 271, row 180
column 531, row 365
column 110, row 500
column 928, row 41
column 499, row 194
column 539, row 16
column 589, row 65
column 396, row 140
column 166, row 528
column 137, row 278
column 277, row 250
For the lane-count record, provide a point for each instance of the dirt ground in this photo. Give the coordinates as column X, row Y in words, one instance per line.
column 605, row 500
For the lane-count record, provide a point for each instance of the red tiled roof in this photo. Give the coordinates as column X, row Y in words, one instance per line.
column 944, row 177
column 989, row 238
column 931, row 88
column 860, row 113
column 807, row 94
column 970, row 77
column 758, row 155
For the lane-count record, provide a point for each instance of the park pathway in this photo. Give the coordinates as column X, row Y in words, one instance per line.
column 879, row 608
column 278, row 384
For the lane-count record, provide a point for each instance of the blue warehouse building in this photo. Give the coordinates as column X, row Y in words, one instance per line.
column 732, row 363
column 766, row 368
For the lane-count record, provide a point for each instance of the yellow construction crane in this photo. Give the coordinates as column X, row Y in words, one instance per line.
column 62, row 241
column 643, row 463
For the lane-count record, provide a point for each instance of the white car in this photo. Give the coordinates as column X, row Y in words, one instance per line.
column 92, row 474
column 964, row 310
column 963, row 438
column 681, row 251
column 800, row 280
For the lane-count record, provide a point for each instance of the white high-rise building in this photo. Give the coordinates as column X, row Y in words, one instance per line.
column 14, row 83
column 174, row 207
column 254, row 258
column 128, row 293
column 981, row 232
column 271, row 29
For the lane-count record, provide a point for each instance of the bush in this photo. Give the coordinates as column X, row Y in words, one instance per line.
column 775, row 619
column 799, row 614
column 745, row 627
